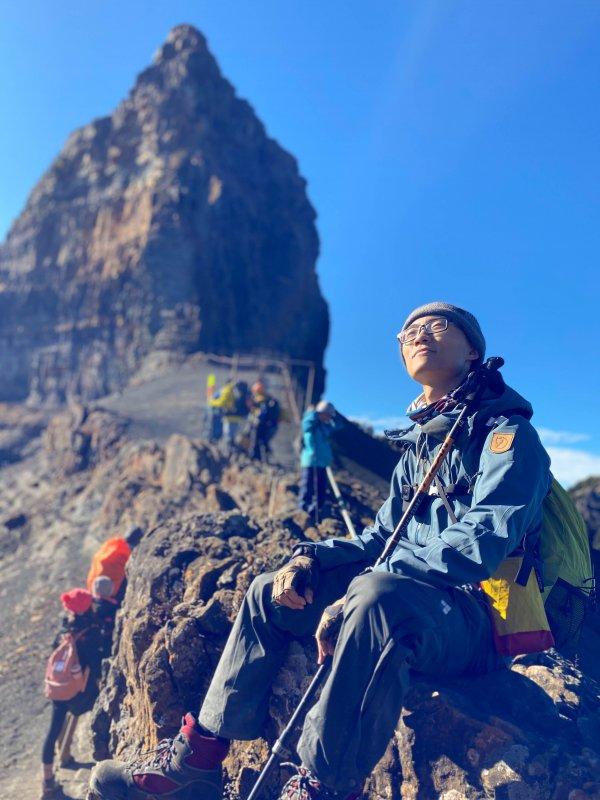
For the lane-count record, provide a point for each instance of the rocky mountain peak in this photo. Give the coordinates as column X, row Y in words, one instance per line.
column 173, row 224
column 182, row 40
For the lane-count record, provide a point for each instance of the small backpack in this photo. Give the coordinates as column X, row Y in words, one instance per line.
column 240, row 399
column 271, row 412
column 567, row 566
column 64, row 677
column 538, row 598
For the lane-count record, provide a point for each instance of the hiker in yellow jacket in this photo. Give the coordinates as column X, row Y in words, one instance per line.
column 234, row 403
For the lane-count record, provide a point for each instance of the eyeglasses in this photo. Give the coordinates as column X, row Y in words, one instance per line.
column 433, row 326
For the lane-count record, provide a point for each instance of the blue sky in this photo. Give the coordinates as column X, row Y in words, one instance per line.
column 451, row 152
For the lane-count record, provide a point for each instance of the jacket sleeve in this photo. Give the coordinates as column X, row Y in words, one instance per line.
column 513, row 479
column 309, row 424
column 369, row 544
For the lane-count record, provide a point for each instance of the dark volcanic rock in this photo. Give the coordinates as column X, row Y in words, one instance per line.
column 176, row 224
column 79, row 438
column 186, row 581
column 586, row 495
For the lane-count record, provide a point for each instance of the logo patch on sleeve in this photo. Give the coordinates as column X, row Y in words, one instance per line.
column 501, row 442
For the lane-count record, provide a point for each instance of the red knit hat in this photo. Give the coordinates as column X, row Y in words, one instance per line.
column 76, row 600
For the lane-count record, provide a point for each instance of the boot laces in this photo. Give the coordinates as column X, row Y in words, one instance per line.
column 306, row 786
column 159, row 756
column 301, row 785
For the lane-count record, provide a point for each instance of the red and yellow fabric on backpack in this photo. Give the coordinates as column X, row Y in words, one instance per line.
column 528, row 617
column 519, row 620
column 110, row 560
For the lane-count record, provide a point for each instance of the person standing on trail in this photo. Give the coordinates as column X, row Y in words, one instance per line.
column 264, row 419
column 420, row 610
column 318, row 425
column 213, row 428
column 233, row 401
column 80, row 622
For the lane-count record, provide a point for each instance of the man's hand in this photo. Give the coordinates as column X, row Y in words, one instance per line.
column 295, row 582
column 329, row 628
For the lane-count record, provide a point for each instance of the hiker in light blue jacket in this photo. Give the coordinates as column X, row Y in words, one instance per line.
column 318, row 425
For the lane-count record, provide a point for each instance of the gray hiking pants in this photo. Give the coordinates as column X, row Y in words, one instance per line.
column 392, row 624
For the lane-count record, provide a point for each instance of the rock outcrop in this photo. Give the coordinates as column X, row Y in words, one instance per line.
column 175, row 224
column 586, row 495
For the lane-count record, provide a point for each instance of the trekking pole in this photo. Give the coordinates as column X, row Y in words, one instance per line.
column 468, row 395
column 316, row 497
column 340, row 501
column 279, row 748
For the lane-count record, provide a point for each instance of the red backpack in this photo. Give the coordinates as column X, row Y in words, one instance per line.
column 64, row 677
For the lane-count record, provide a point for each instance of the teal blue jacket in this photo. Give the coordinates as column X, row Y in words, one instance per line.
column 497, row 498
column 316, row 447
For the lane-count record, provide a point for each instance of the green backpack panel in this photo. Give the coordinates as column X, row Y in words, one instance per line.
column 564, row 550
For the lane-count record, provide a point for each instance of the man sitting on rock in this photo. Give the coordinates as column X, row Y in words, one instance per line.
column 418, row 611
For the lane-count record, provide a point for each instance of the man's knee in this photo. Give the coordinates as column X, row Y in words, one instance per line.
column 261, row 588
column 260, row 600
column 377, row 591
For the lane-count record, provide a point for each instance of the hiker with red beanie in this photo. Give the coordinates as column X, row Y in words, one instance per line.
column 80, row 626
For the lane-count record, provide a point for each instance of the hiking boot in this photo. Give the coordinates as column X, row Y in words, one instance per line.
column 187, row 767
column 306, row 786
column 50, row 789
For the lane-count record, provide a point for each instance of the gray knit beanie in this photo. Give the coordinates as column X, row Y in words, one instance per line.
column 102, row 586
column 461, row 318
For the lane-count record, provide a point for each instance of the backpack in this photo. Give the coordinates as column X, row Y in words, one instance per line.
column 64, row 677
column 538, row 598
column 240, row 396
column 567, row 572
column 270, row 413
column 110, row 559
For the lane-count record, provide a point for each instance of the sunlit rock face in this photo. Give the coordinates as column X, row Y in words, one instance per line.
column 173, row 224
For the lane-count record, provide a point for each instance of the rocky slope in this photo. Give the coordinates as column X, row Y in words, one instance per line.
column 87, row 477
column 174, row 224
column 206, row 527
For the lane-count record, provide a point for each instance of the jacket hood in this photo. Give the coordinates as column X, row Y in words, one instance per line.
column 491, row 405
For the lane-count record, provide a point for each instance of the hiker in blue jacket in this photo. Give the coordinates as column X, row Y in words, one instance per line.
column 318, row 424
column 420, row 611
